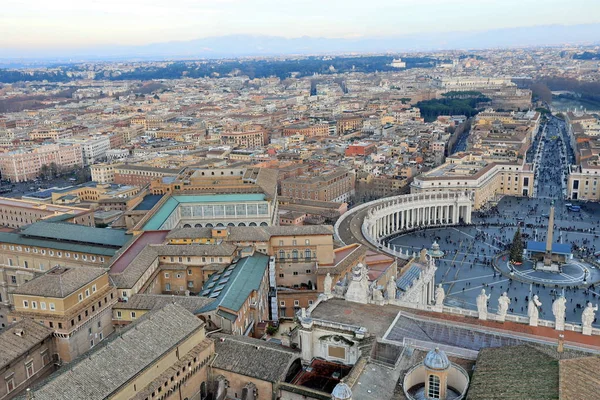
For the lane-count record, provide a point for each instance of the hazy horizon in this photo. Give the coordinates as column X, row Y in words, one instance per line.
column 77, row 24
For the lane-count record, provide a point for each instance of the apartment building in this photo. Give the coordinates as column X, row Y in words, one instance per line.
column 247, row 140
column 25, row 164
column 306, row 130
column 18, row 213
column 484, row 181
column 140, row 175
column 26, row 356
column 75, row 303
column 334, row 185
column 165, row 356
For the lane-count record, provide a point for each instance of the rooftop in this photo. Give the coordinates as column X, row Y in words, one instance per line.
column 76, row 233
column 17, row 339
column 101, row 373
column 253, row 357
column 60, row 282
column 232, row 286
column 157, row 301
column 159, row 218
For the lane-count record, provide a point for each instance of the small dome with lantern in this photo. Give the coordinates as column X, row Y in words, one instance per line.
column 437, row 360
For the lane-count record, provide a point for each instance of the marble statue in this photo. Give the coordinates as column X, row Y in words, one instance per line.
column 327, row 284
column 303, row 313
column 377, row 295
column 558, row 309
column 532, row 310
column 440, row 295
column 391, row 288
column 503, row 303
column 482, row 300
column 587, row 318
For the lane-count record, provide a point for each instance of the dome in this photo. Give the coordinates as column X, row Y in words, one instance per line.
column 341, row 391
column 437, row 360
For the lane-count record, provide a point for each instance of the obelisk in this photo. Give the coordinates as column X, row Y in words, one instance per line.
column 548, row 253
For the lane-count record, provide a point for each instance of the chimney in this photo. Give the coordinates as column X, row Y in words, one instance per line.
column 561, row 343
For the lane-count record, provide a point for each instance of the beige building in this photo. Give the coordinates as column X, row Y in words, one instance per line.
column 165, row 356
column 335, row 185
column 74, row 302
column 103, row 173
column 26, row 356
column 486, row 181
column 246, row 140
column 25, row 164
column 583, row 180
column 18, row 213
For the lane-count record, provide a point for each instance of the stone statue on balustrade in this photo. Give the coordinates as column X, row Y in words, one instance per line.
column 327, row 285
column 391, row 288
column 503, row 303
column 440, row 295
column 482, row 300
column 558, row 309
column 587, row 318
column 377, row 295
column 532, row 310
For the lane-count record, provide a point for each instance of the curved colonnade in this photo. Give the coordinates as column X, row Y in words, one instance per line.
column 393, row 215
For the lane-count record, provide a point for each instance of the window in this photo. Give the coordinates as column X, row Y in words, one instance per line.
column 281, row 254
column 13, row 279
column 294, row 242
column 87, row 292
column 310, row 302
column 52, row 307
column 295, row 273
column 25, row 264
column 51, row 252
column 94, row 289
column 10, row 384
column 307, row 253
column 167, row 275
column 281, row 275
column 295, row 254
column 282, row 303
column 307, row 242
column 189, row 271
column 34, row 305
column 190, row 284
column 89, row 330
column 434, row 387
column 76, row 256
column 84, row 257
column 45, row 357
column 133, row 315
column 296, row 303
column 80, row 297
column 91, row 343
column 167, row 287
column 29, row 368
column 178, row 276
column 25, row 304
column 43, row 305
column 281, row 242
column 68, row 255
column 119, row 315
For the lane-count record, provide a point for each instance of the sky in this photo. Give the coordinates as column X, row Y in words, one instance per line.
column 81, row 23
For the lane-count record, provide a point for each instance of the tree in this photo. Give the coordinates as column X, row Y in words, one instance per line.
column 516, row 248
column 44, row 172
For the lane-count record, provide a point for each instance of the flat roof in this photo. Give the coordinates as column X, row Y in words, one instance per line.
column 173, row 202
column 76, row 233
column 540, row 247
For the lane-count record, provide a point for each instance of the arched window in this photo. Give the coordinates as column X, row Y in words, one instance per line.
column 231, row 224
column 209, row 225
column 281, row 254
column 219, row 225
column 241, row 224
column 295, row 254
column 198, row 226
column 263, row 224
column 187, row 226
column 252, row 224
column 434, row 387
column 307, row 253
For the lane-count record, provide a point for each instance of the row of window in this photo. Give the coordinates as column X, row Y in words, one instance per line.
column 296, row 273
column 51, row 253
column 87, row 293
column 189, row 259
column 308, row 254
column 295, row 242
column 296, row 303
column 29, row 370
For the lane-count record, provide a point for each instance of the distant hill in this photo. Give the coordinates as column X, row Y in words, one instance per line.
column 249, row 45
